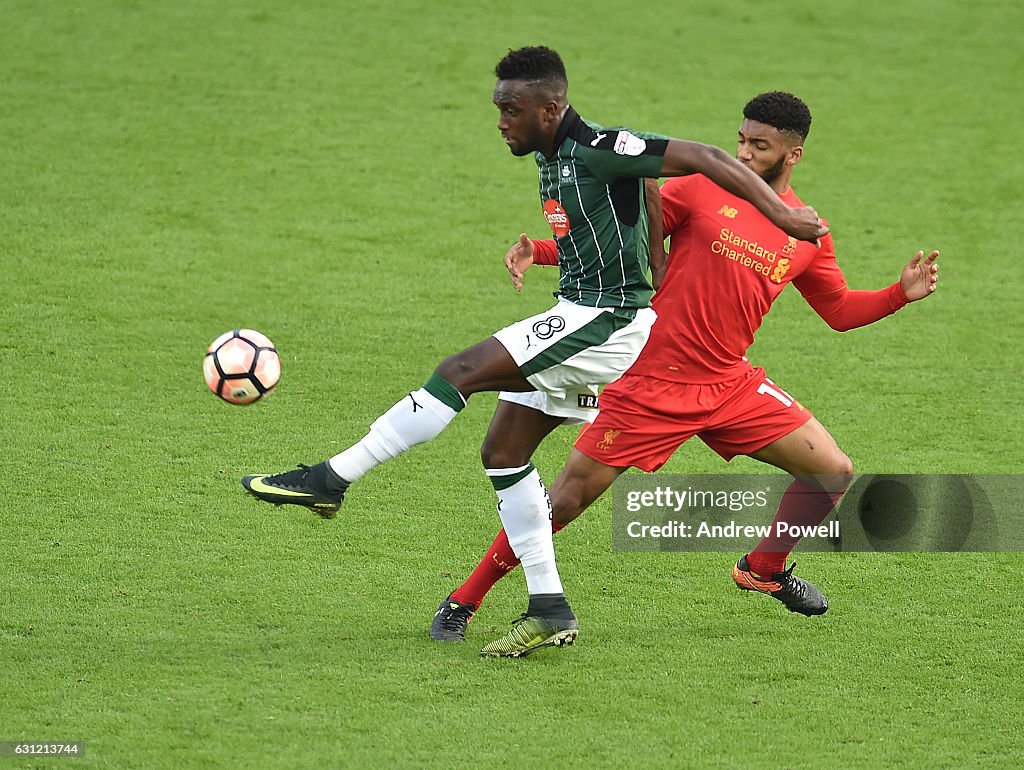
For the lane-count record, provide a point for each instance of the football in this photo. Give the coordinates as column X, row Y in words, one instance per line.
column 242, row 366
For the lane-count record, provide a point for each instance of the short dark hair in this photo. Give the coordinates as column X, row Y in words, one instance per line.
column 535, row 63
column 780, row 110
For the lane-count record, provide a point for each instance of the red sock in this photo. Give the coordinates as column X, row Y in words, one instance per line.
column 499, row 560
column 801, row 505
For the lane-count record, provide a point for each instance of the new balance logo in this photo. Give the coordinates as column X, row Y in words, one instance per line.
column 597, row 139
column 728, row 211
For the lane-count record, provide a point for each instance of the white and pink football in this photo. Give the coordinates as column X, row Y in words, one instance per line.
column 242, row 366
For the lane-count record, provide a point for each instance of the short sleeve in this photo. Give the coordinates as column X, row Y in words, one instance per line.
column 678, row 196
column 617, row 153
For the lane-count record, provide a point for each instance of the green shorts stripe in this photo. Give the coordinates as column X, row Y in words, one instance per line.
column 595, row 332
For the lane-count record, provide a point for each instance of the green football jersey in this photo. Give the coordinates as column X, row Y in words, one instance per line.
column 592, row 191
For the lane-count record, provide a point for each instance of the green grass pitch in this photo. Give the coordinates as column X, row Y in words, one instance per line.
column 331, row 174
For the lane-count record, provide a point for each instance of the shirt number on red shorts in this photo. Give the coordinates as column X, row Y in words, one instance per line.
column 769, row 387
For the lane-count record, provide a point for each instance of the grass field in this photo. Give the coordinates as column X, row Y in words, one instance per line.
column 331, row 174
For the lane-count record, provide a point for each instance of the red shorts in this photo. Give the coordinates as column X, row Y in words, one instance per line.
column 643, row 420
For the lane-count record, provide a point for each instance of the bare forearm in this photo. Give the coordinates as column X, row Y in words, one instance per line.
column 683, row 157
column 655, row 232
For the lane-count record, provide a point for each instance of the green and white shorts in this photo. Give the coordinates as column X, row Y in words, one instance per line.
column 568, row 352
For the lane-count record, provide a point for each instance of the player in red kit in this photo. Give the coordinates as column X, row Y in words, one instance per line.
column 726, row 265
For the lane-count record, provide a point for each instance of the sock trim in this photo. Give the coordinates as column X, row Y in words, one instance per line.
column 445, row 392
column 503, row 478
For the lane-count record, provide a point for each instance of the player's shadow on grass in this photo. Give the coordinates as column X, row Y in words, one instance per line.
column 926, row 514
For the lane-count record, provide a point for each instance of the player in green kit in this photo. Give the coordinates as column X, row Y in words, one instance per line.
column 547, row 367
column 726, row 267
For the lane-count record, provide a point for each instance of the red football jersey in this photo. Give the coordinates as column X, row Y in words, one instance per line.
column 727, row 264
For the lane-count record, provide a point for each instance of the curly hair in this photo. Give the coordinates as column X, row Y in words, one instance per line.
column 780, row 110
column 538, row 64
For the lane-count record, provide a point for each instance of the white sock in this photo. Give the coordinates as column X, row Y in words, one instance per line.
column 416, row 419
column 525, row 510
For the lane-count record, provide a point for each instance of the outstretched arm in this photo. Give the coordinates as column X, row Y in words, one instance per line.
column 843, row 309
column 683, row 157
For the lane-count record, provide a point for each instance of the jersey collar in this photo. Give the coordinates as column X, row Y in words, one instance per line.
column 569, row 119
